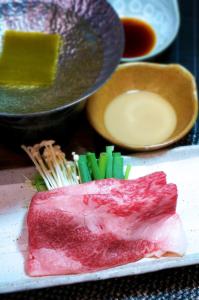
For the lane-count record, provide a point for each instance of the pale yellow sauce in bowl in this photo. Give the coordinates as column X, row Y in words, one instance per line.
column 145, row 106
column 140, row 118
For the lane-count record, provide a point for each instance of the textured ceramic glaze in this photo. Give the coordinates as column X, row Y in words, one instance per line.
column 92, row 44
column 162, row 15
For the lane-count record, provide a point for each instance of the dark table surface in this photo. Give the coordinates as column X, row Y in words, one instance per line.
column 181, row 283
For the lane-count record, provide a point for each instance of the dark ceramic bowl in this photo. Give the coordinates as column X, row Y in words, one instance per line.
column 92, row 46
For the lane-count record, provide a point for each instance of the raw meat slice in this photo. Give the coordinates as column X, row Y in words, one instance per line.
column 106, row 186
column 70, row 233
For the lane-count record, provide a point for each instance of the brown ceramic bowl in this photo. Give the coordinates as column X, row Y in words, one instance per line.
column 173, row 82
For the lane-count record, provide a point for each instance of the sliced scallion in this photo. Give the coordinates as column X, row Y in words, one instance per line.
column 109, row 166
column 94, row 166
column 118, row 165
column 83, row 169
column 127, row 171
column 102, row 163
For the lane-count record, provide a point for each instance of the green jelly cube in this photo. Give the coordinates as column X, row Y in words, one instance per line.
column 29, row 58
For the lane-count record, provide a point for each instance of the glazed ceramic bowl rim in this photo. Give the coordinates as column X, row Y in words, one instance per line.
column 163, row 47
column 177, row 137
column 93, row 88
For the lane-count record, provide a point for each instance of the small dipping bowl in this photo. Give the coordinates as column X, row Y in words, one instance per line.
column 163, row 17
column 173, row 83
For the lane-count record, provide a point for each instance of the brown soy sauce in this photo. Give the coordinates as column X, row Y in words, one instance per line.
column 140, row 37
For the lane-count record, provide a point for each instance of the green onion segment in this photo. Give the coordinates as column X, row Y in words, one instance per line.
column 109, row 164
column 56, row 171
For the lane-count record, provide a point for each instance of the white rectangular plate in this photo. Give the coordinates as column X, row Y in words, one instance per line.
column 180, row 164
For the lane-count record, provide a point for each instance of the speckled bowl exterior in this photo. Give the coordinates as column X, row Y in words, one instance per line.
column 93, row 42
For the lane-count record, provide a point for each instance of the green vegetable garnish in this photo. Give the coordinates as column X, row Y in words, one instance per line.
column 39, row 183
column 94, row 166
column 55, row 171
column 118, row 166
column 83, row 169
column 127, row 172
column 109, row 166
column 102, row 162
